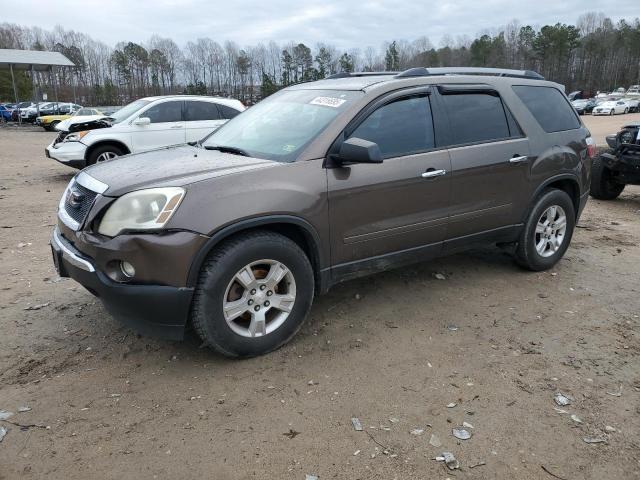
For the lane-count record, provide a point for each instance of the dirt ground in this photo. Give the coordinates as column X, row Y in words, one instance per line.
column 393, row 350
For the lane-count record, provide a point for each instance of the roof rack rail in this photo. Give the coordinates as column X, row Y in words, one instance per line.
column 358, row 74
column 500, row 72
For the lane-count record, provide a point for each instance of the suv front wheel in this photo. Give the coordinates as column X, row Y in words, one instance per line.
column 253, row 294
column 547, row 233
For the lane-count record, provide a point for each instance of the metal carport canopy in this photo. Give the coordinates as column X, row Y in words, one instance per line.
column 31, row 60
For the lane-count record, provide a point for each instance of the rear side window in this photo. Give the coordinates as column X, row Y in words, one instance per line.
column 549, row 107
column 227, row 112
column 476, row 117
column 400, row 128
column 165, row 112
column 197, row 111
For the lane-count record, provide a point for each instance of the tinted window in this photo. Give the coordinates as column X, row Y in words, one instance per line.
column 549, row 107
column 196, row 111
column 399, row 128
column 476, row 117
column 228, row 112
column 165, row 112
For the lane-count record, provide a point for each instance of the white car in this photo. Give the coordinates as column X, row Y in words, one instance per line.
column 145, row 124
column 611, row 107
column 633, row 104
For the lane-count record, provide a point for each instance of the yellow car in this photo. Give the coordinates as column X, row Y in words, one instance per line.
column 49, row 122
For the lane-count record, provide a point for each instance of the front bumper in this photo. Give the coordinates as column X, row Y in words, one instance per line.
column 68, row 153
column 155, row 310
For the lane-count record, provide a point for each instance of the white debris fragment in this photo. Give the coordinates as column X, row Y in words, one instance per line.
column 451, row 405
column 575, row 418
column 594, row 440
column 3, row 432
column 357, row 426
column 562, row 400
column 417, row 431
column 439, row 276
column 434, row 441
column 24, row 409
column 4, row 414
column 449, row 460
column 310, row 477
column 467, row 425
column 461, row 433
column 609, row 429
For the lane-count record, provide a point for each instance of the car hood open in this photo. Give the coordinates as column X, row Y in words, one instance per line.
column 170, row 166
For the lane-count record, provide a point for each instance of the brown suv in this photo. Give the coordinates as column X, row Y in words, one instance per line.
column 320, row 183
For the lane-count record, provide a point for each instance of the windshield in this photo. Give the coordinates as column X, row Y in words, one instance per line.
column 128, row 110
column 279, row 127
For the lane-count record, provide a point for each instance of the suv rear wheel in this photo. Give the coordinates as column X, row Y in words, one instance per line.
column 253, row 294
column 547, row 233
column 603, row 186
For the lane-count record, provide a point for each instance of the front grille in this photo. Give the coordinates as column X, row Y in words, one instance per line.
column 78, row 201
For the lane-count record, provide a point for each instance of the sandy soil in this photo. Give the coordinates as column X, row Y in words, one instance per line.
column 393, row 350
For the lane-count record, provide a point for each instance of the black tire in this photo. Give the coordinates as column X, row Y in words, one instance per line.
column 603, row 187
column 626, row 110
column 52, row 125
column 612, row 112
column 527, row 255
column 102, row 149
column 221, row 266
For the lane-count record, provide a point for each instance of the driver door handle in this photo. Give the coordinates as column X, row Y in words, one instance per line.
column 519, row 159
column 177, row 126
column 431, row 173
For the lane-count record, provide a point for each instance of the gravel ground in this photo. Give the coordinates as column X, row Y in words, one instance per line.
column 393, row 350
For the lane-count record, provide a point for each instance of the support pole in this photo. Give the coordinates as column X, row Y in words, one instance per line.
column 55, row 89
column 35, row 91
column 15, row 92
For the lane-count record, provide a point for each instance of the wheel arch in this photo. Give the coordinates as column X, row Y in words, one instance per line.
column 567, row 183
column 123, row 146
column 295, row 228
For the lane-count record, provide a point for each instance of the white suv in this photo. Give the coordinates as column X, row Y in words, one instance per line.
column 145, row 124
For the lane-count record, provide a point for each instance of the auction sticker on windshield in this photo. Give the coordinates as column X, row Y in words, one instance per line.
column 327, row 101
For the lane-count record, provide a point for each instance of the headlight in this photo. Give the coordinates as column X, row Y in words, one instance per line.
column 76, row 136
column 147, row 209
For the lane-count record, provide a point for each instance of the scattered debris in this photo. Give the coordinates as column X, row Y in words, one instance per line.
column 24, row 409
column 461, row 433
column 291, row 434
column 434, row 441
column 393, row 420
column 479, row 464
column 310, row 477
column 5, row 414
column 615, row 394
column 575, row 418
column 312, row 383
column 357, row 426
column 357, row 452
column 439, row 276
column 609, row 429
column 449, row 460
column 3, row 432
column 560, row 410
column 467, row 425
column 452, row 328
column 562, row 400
column 37, row 307
column 594, row 440
column 417, row 431
column 451, row 405
column 551, row 473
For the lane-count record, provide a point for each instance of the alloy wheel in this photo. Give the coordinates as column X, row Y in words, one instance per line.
column 550, row 231
column 259, row 298
column 105, row 156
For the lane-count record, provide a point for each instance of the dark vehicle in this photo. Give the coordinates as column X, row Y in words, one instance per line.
column 619, row 167
column 580, row 95
column 5, row 114
column 584, row 106
column 320, row 183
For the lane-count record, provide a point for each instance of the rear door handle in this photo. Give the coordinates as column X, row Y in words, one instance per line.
column 434, row 173
column 520, row 159
column 177, row 126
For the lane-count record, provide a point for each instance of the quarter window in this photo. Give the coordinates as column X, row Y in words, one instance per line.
column 476, row 117
column 228, row 112
column 165, row 112
column 197, row 111
column 400, row 128
column 549, row 107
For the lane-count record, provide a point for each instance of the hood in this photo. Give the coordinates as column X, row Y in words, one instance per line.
column 85, row 122
column 170, row 166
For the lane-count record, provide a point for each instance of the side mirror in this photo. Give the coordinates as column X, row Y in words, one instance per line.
column 357, row 150
column 142, row 121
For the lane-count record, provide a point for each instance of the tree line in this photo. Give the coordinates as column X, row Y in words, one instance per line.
column 594, row 54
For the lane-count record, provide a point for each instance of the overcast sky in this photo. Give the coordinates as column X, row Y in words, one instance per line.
column 344, row 23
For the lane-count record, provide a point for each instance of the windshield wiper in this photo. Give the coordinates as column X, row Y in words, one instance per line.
column 227, row 149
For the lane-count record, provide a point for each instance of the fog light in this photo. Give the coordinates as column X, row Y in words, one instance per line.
column 127, row 269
